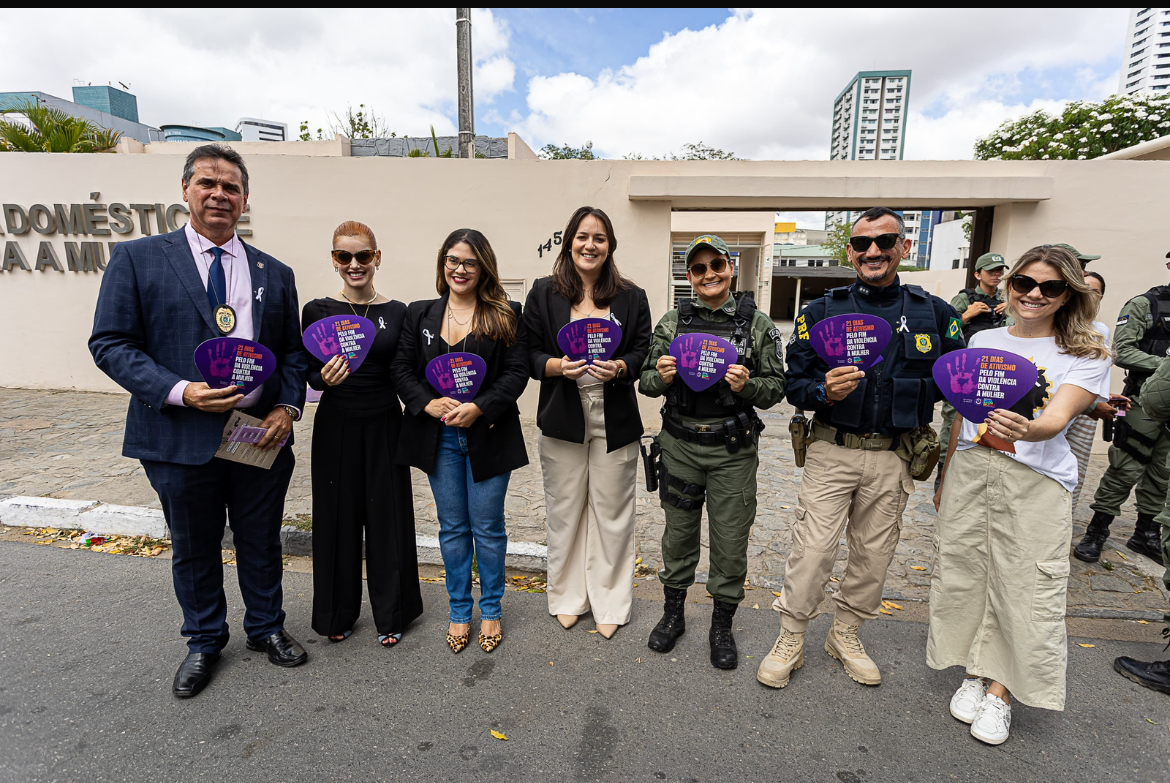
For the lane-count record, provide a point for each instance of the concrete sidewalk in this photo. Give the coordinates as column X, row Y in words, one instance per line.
column 89, row 644
column 68, row 445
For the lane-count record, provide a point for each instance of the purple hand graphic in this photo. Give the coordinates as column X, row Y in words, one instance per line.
column 834, row 344
column 446, row 382
column 689, row 359
column 579, row 344
column 962, row 381
column 326, row 340
column 221, row 365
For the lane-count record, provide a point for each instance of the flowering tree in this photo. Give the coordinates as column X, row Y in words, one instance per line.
column 1084, row 130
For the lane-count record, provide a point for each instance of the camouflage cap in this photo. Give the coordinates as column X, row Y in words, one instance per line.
column 1082, row 257
column 990, row 261
column 706, row 240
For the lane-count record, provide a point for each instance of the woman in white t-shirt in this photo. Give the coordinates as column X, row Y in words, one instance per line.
column 997, row 597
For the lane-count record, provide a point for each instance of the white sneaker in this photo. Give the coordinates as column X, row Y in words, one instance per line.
column 965, row 703
column 992, row 722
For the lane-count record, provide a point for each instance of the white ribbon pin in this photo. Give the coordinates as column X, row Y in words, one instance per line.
column 428, row 335
column 902, row 327
column 259, row 293
column 381, row 322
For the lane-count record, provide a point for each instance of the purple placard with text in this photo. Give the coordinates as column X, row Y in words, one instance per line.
column 853, row 340
column 592, row 339
column 249, row 434
column 227, row 361
column 347, row 335
column 457, row 375
column 977, row 381
column 702, row 359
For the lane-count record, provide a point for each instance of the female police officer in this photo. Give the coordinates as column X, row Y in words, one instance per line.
column 708, row 442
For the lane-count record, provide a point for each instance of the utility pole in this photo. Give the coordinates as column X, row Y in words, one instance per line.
column 466, row 104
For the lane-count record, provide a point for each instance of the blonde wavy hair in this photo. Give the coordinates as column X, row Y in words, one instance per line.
column 1073, row 322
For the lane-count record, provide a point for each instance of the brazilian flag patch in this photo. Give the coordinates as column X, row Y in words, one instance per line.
column 955, row 328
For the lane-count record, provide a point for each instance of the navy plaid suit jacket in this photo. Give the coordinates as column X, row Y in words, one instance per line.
column 152, row 312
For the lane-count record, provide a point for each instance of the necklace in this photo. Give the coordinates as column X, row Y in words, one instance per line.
column 352, row 303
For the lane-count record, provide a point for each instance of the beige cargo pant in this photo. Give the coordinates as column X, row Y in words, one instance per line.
column 997, row 595
column 862, row 493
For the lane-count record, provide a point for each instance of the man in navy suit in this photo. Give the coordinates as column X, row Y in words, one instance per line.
column 162, row 296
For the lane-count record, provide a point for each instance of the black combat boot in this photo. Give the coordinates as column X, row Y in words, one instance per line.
column 1096, row 535
column 724, row 654
column 1155, row 676
column 672, row 625
column 1147, row 538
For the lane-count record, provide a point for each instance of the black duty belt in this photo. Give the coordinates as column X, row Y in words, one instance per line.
column 739, row 430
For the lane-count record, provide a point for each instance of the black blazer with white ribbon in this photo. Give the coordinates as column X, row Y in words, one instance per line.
column 559, row 414
column 495, row 441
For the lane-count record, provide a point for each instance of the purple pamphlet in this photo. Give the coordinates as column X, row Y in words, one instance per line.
column 854, row 340
column 246, row 433
column 592, row 339
column 346, row 335
column 977, row 381
column 228, row 361
column 457, row 375
column 702, row 359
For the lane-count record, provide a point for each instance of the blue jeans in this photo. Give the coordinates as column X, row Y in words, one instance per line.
column 469, row 512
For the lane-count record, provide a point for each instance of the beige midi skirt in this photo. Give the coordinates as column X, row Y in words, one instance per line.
column 997, row 595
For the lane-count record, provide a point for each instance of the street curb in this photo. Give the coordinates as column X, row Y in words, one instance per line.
column 109, row 519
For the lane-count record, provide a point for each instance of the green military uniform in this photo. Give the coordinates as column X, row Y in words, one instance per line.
column 1140, row 446
column 978, row 323
column 728, row 480
column 1156, row 398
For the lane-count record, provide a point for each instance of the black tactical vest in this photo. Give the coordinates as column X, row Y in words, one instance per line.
column 717, row 401
column 901, row 384
column 983, row 321
column 1156, row 340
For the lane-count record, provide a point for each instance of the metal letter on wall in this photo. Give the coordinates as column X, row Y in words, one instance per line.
column 69, row 218
column 16, row 219
column 39, row 213
column 95, row 220
column 123, row 222
column 47, row 256
column 13, row 256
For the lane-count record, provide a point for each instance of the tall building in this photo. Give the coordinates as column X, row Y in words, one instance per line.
column 108, row 107
column 253, row 129
column 869, row 123
column 1145, row 58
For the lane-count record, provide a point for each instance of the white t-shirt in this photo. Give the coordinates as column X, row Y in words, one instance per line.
column 1053, row 457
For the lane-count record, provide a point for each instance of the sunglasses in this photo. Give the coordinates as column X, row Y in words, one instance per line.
column 884, row 242
column 363, row 257
column 1022, row 284
column 717, row 266
column 453, row 263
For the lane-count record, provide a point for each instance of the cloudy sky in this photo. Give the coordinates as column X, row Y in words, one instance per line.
column 757, row 82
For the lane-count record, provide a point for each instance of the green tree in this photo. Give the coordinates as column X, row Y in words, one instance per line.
column 51, row 130
column 838, row 239
column 1084, row 130
column 565, row 152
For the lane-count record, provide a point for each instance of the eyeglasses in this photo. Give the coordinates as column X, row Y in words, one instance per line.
column 717, row 266
column 884, row 242
column 363, row 257
column 1022, row 284
column 454, row 262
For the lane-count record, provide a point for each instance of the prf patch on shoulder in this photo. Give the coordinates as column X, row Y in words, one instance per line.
column 922, row 343
column 1123, row 319
column 954, row 329
column 801, row 328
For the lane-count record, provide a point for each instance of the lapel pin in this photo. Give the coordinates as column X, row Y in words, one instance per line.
column 259, row 264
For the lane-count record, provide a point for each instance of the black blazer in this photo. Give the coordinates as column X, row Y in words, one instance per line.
column 559, row 414
column 495, row 441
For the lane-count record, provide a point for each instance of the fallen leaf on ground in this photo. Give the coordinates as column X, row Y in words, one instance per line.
column 1123, row 557
column 834, row 579
column 635, row 584
column 1082, row 644
column 755, row 606
column 499, row 735
column 775, row 594
column 638, row 561
column 593, row 631
column 550, row 663
column 1152, row 721
column 918, row 568
column 1142, row 622
column 885, row 611
column 892, row 605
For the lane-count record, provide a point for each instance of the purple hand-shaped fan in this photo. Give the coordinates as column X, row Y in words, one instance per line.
column 701, row 360
column 977, row 381
column 853, row 340
column 457, row 375
column 346, row 335
column 228, row 361
column 592, row 339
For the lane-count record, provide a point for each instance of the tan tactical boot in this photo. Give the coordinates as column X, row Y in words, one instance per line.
column 786, row 657
column 844, row 645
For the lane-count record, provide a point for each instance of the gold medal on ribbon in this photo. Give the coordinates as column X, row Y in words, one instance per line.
column 225, row 319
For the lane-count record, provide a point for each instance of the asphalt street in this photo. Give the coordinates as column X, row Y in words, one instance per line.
column 89, row 644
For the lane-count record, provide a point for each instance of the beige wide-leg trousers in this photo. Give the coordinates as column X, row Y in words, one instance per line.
column 590, row 504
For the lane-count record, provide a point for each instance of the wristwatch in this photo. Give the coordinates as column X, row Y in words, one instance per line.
column 621, row 370
column 820, row 393
column 291, row 411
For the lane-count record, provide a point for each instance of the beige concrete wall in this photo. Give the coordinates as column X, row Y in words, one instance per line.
column 1114, row 208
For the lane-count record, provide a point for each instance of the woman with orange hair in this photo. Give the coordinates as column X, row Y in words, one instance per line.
column 356, row 485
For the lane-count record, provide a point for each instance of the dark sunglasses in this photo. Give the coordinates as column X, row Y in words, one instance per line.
column 717, row 266
column 363, row 257
column 1022, row 284
column 884, row 242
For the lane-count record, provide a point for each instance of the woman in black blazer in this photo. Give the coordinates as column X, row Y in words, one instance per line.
column 467, row 449
column 590, row 425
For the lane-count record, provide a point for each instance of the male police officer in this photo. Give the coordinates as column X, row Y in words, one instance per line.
column 979, row 308
column 854, row 469
column 709, row 441
column 1140, row 445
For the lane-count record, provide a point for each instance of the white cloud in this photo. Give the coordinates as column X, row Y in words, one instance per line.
column 212, row 66
column 762, row 83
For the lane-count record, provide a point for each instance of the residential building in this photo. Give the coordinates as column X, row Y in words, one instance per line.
column 950, row 247
column 1145, row 56
column 253, row 129
column 789, row 234
column 106, row 106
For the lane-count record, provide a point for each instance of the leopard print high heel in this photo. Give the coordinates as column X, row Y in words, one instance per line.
column 457, row 643
column 489, row 643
